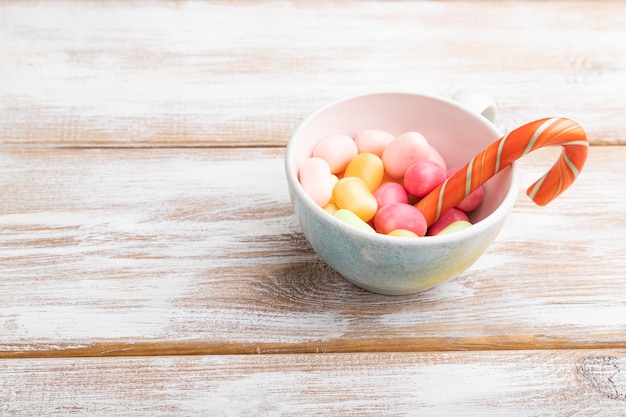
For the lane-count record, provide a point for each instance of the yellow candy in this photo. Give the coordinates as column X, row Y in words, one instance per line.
column 454, row 227
column 351, row 193
column 334, row 180
column 331, row 208
column 367, row 166
column 352, row 219
column 402, row 233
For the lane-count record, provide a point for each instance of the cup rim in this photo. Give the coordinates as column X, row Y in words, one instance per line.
column 476, row 229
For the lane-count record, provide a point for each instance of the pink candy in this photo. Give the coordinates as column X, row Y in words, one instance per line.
column 411, row 166
column 373, row 140
column 337, row 150
column 400, row 216
column 422, row 177
column 390, row 193
column 401, row 152
column 317, row 181
column 435, row 156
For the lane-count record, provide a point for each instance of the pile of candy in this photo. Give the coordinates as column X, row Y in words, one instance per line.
column 400, row 185
column 374, row 181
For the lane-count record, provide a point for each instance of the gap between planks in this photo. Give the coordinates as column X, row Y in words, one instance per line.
column 409, row 345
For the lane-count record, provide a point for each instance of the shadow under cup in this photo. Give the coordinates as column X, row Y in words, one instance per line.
column 387, row 264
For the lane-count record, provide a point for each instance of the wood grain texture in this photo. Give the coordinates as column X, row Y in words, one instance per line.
column 171, row 251
column 150, row 261
column 536, row 383
column 109, row 73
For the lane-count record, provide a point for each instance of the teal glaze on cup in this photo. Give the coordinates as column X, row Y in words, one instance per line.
column 388, row 264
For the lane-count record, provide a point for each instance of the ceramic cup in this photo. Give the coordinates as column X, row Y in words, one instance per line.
column 394, row 265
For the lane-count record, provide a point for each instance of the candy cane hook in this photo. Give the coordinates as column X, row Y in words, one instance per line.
column 503, row 152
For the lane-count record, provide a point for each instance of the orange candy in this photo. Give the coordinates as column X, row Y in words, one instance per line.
column 503, row 152
column 352, row 193
column 367, row 166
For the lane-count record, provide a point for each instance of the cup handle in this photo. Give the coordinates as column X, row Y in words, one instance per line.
column 477, row 102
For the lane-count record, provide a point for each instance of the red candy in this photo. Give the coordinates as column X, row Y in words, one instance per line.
column 451, row 216
column 400, row 216
column 422, row 177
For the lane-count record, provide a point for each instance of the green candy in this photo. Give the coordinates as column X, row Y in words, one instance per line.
column 352, row 219
column 454, row 227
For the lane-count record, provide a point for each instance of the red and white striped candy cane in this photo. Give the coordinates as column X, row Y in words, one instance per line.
column 503, row 152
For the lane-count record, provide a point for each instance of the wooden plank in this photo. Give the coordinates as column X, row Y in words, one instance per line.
column 107, row 73
column 146, row 251
column 535, row 383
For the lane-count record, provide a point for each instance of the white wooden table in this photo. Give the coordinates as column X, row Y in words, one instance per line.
column 150, row 261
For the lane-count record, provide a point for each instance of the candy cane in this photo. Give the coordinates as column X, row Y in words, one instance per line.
column 501, row 153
